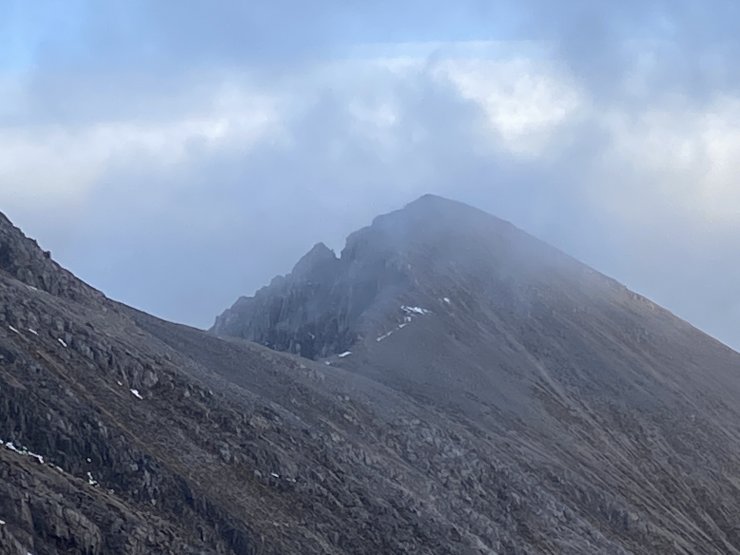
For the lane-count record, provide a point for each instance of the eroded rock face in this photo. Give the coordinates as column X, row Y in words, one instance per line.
column 327, row 304
column 318, row 309
column 22, row 259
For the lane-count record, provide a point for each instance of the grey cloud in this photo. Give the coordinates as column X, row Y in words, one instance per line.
column 285, row 32
column 185, row 241
column 691, row 45
column 234, row 218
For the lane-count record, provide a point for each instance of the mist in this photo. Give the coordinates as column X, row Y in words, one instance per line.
column 178, row 156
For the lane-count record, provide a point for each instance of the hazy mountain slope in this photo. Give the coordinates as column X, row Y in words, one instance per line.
column 613, row 403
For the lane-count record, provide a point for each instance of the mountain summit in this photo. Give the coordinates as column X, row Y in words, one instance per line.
column 326, row 304
column 439, row 284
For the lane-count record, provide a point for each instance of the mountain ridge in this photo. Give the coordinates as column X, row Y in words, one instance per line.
column 474, row 407
column 427, row 207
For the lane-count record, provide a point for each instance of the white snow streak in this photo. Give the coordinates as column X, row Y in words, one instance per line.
column 33, row 331
column 410, row 311
column 22, row 451
column 11, row 328
column 415, row 310
column 62, row 342
column 384, row 336
column 344, row 354
column 135, row 393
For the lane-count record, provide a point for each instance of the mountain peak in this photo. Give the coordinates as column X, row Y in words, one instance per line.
column 431, row 201
column 423, row 224
column 24, row 260
column 316, row 261
column 327, row 303
column 439, row 211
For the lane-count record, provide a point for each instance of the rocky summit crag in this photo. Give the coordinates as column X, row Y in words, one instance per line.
column 449, row 385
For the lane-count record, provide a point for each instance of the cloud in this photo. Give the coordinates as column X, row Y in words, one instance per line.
column 524, row 102
column 160, row 148
column 50, row 162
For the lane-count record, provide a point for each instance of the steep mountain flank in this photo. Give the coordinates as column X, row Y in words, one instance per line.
column 547, row 357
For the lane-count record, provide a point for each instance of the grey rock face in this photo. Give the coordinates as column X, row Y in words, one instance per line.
column 315, row 311
column 326, row 304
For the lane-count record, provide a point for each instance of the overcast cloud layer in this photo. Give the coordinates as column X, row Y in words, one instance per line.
column 179, row 154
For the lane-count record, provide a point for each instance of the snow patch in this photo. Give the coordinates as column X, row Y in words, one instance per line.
column 384, row 336
column 344, row 354
column 90, row 480
column 11, row 328
column 119, row 382
column 274, row 475
column 62, row 342
column 135, row 393
column 22, row 451
column 2, row 522
column 415, row 310
column 33, row 331
column 446, row 299
column 406, row 320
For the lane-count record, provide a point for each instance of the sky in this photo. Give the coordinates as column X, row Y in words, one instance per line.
column 179, row 154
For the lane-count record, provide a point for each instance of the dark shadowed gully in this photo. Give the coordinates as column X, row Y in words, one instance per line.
column 448, row 384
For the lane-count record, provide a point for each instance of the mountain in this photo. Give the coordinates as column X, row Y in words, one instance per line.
column 448, row 384
column 625, row 416
column 126, row 434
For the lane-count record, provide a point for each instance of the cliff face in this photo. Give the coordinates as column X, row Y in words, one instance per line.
column 317, row 310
